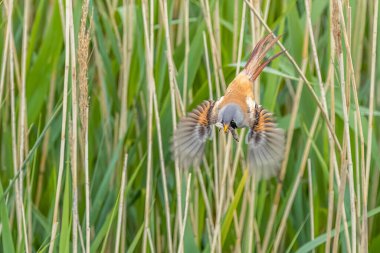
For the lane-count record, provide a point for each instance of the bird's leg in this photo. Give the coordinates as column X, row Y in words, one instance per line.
column 234, row 134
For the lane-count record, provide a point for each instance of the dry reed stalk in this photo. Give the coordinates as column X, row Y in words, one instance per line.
column 81, row 239
column 63, row 135
column 157, row 225
column 337, row 38
column 231, row 195
column 340, row 206
column 205, row 197
column 3, row 64
column 354, row 86
column 127, row 46
column 358, row 185
column 330, row 79
column 150, row 240
column 251, row 216
column 336, row 32
column 187, row 51
column 121, row 203
column 347, row 69
column 151, row 29
column 256, row 34
column 20, row 210
column 83, row 49
column 351, row 181
column 370, row 128
column 180, row 247
column 235, row 31
column 194, row 211
column 9, row 10
column 241, row 36
column 149, row 60
column 163, row 171
column 311, row 205
column 208, row 228
column 240, row 226
column 23, row 116
column 216, row 57
column 16, row 64
column 216, row 25
column 74, row 137
column 243, row 212
column 208, row 71
column 217, row 233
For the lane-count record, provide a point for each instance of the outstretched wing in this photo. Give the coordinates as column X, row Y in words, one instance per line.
column 266, row 144
column 192, row 132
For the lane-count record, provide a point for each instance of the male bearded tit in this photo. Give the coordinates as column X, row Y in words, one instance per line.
column 236, row 109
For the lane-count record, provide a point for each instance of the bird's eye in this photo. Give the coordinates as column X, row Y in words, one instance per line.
column 233, row 124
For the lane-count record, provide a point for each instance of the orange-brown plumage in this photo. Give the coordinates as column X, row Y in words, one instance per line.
column 238, row 91
column 203, row 118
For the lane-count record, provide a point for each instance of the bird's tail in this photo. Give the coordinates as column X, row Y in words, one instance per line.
column 254, row 65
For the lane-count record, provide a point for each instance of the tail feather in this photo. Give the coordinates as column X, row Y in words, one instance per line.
column 254, row 65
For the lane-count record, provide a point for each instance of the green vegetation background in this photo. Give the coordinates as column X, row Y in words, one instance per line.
column 118, row 124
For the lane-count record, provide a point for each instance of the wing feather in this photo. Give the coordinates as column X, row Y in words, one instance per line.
column 192, row 132
column 266, row 144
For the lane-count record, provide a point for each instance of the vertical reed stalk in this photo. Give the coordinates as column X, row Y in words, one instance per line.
column 63, row 134
column 370, row 128
column 187, row 51
column 332, row 160
column 9, row 50
column 83, row 48
column 121, row 203
column 180, row 247
column 13, row 126
column 150, row 83
column 311, row 197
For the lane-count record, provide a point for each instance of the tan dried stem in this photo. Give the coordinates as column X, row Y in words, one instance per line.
column 83, row 49
column 63, row 136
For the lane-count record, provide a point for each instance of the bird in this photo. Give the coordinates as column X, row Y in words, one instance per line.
column 236, row 109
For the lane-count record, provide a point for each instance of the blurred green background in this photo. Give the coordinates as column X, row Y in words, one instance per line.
column 148, row 63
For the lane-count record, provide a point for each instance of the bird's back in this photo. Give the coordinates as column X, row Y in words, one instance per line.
column 238, row 91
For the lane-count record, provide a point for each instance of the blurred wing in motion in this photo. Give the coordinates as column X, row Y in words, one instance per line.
column 266, row 145
column 192, row 132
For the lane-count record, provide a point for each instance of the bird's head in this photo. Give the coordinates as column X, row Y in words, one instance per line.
column 230, row 115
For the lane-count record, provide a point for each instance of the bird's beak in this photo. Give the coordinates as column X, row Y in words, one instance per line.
column 225, row 127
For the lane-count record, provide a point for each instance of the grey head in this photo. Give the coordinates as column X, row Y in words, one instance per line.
column 231, row 115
